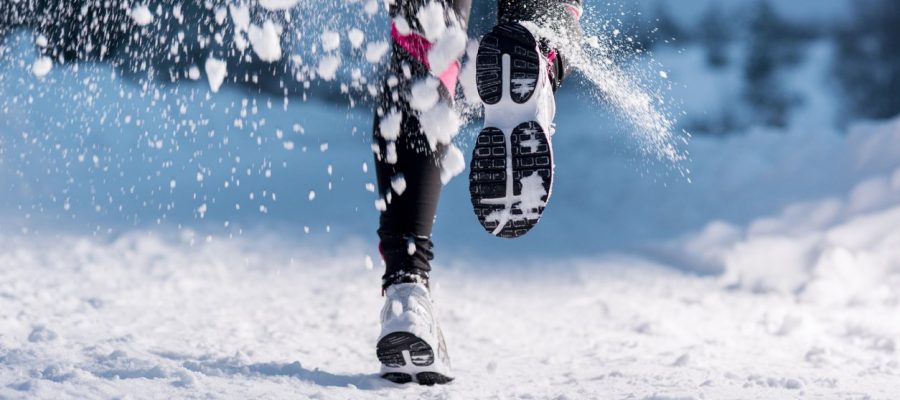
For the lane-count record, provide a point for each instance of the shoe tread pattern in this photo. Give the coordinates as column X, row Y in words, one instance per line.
column 488, row 173
column 516, row 41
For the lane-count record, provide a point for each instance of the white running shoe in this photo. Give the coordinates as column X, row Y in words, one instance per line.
column 512, row 163
column 411, row 346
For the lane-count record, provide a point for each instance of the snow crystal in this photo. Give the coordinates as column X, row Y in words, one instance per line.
column 368, row 263
column 381, row 205
column 402, row 25
column 375, row 51
column 328, row 66
column 216, row 70
column 398, row 183
column 356, row 37
column 277, row 5
column 424, row 94
column 467, row 75
column 323, row 147
column 176, row 12
column 447, row 50
column 623, row 89
column 266, row 41
column 312, row 195
column 221, row 14
column 41, row 67
column 390, row 125
column 40, row 41
column 240, row 16
column 371, row 7
column 330, row 40
column 440, row 124
column 390, row 153
column 453, row 163
column 194, row 73
column 431, row 18
column 141, row 15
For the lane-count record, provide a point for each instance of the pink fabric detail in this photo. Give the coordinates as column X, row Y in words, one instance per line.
column 414, row 44
column 417, row 46
column 449, row 76
column 574, row 10
column 551, row 57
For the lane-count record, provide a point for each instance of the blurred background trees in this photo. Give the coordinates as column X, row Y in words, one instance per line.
column 868, row 59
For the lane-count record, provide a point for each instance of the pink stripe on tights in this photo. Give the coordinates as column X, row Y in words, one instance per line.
column 417, row 47
column 414, row 44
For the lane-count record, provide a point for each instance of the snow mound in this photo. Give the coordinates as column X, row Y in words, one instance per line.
column 836, row 250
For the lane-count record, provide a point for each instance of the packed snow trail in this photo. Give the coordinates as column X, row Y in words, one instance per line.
column 260, row 316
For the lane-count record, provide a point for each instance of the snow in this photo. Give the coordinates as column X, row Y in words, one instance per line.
column 216, row 71
column 402, row 25
column 398, row 183
column 447, row 50
column 389, row 126
column 41, row 67
column 424, row 94
column 453, row 163
column 328, row 66
column 356, row 37
column 467, row 78
column 278, row 5
column 194, row 73
column 181, row 316
column 240, row 17
column 141, row 15
column 431, row 19
column 266, row 41
column 390, row 152
column 330, row 40
column 440, row 124
column 375, row 51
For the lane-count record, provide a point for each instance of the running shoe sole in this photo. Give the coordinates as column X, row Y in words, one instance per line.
column 395, row 349
column 511, row 170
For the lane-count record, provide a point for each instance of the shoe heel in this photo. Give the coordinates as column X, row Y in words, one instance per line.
column 510, row 179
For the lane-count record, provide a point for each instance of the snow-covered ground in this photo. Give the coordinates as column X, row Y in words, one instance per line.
column 142, row 316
